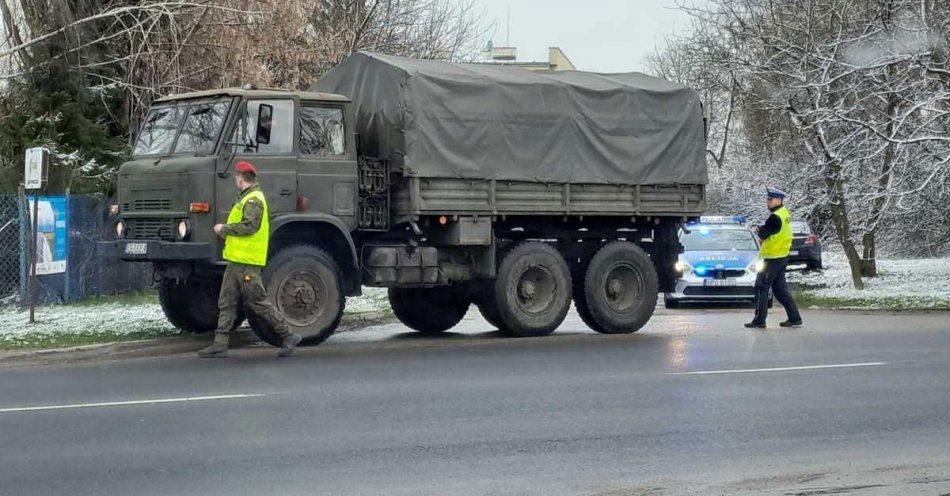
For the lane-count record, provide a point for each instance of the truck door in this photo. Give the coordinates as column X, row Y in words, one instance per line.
column 327, row 164
column 264, row 136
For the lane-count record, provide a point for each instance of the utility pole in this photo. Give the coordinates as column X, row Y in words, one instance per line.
column 35, row 168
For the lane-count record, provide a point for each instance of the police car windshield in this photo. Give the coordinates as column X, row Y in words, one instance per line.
column 706, row 238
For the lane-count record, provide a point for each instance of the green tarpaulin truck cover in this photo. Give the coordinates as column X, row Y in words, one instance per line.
column 486, row 121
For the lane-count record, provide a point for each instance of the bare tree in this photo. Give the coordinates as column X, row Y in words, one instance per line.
column 852, row 92
column 142, row 49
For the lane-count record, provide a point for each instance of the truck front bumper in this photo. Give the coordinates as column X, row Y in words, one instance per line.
column 143, row 250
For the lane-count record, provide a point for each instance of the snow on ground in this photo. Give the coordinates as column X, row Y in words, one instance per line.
column 372, row 300
column 910, row 283
column 124, row 319
column 108, row 319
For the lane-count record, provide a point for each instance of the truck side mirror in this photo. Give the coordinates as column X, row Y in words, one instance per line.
column 265, row 116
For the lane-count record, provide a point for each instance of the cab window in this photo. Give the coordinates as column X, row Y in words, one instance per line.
column 321, row 131
column 276, row 125
column 159, row 129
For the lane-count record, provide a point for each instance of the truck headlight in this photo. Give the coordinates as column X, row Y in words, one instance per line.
column 119, row 229
column 183, row 230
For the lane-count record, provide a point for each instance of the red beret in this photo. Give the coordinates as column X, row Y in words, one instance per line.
column 245, row 166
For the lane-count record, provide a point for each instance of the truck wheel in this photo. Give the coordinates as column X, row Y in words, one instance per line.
column 486, row 305
column 303, row 282
column 620, row 287
column 580, row 301
column 532, row 293
column 192, row 305
column 429, row 310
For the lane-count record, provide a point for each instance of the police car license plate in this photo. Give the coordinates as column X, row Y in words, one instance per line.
column 136, row 248
column 719, row 282
column 793, row 252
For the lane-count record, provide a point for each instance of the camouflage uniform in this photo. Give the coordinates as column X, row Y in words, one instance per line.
column 243, row 281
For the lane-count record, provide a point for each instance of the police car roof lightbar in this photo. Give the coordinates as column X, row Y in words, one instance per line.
column 722, row 219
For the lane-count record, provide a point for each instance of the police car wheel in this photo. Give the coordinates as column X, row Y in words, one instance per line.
column 671, row 303
column 620, row 287
column 303, row 282
column 429, row 310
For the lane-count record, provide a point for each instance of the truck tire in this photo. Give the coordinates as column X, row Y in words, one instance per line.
column 580, row 301
column 429, row 310
column 532, row 292
column 192, row 305
column 620, row 288
column 303, row 283
column 486, row 305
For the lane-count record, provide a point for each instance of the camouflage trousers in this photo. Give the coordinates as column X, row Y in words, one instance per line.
column 242, row 283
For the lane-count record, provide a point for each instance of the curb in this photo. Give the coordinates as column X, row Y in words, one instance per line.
column 241, row 338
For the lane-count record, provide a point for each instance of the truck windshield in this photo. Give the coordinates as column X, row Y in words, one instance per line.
column 203, row 121
column 702, row 238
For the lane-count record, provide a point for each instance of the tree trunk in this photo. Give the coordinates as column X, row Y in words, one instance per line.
column 839, row 217
column 869, row 262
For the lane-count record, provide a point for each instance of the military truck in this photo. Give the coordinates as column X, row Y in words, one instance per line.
column 450, row 184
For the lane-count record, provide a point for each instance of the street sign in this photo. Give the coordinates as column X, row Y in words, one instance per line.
column 35, row 166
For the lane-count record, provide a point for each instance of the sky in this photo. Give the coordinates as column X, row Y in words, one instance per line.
column 597, row 35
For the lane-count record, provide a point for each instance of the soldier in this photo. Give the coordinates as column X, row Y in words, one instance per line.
column 245, row 248
column 776, row 236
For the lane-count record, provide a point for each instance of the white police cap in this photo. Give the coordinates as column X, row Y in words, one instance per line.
column 775, row 193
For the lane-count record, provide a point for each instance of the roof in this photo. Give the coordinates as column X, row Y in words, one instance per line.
column 260, row 93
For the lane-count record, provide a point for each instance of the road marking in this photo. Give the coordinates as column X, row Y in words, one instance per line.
column 781, row 369
column 129, row 403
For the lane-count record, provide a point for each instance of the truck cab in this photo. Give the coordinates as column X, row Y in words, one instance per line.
column 180, row 182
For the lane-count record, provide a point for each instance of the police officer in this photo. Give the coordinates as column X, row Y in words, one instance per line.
column 776, row 236
column 246, row 236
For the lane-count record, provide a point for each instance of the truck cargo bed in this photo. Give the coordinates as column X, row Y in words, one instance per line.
column 414, row 196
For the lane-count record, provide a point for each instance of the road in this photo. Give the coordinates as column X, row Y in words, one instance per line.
column 855, row 403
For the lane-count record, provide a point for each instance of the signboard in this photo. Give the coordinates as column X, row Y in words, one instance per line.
column 34, row 167
column 52, row 241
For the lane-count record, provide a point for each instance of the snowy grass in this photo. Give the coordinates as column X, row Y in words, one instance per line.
column 902, row 284
column 120, row 318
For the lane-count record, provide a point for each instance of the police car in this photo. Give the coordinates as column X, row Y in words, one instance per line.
column 719, row 262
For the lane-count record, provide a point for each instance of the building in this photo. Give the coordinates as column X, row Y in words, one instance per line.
column 557, row 59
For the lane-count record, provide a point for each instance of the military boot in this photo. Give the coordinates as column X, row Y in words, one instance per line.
column 287, row 346
column 216, row 350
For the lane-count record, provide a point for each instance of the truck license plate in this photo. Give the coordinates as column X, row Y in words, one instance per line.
column 720, row 282
column 136, row 248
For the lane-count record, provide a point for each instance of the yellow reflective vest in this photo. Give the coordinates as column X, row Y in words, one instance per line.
column 779, row 244
column 251, row 249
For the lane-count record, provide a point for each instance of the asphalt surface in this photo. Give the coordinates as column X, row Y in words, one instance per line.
column 854, row 403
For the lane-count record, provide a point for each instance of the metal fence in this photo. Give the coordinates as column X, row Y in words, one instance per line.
column 86, row 274
column 9, row 248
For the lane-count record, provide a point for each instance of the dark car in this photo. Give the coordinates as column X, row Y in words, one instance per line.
column 806, row 247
